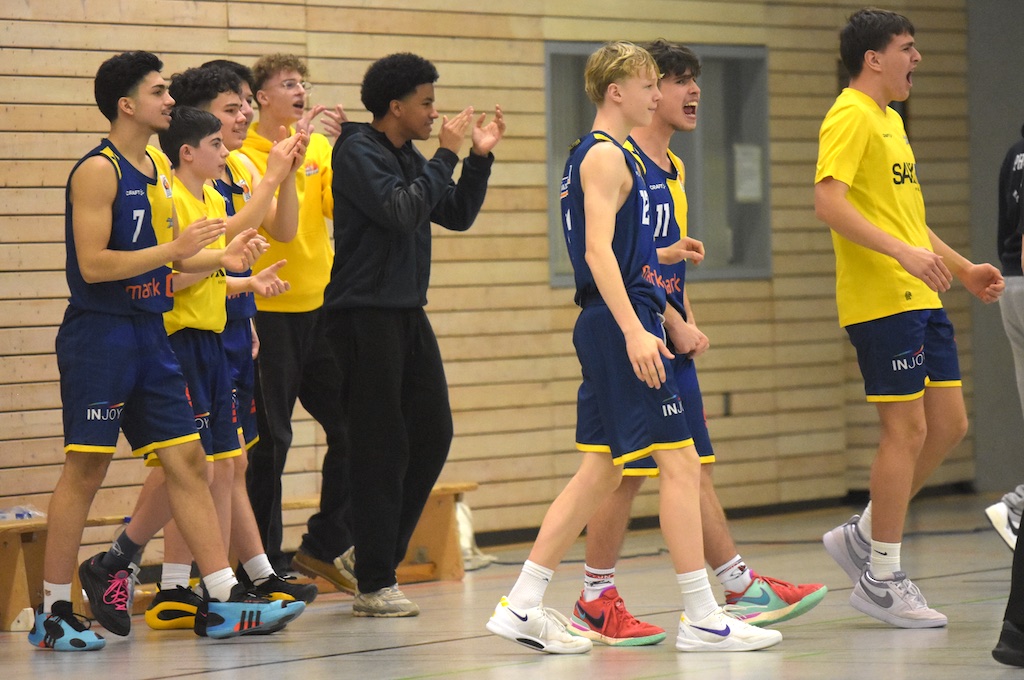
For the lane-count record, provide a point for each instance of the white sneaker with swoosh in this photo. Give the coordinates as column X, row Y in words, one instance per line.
column 538, row 628
column 897, row 601
column 721, row 632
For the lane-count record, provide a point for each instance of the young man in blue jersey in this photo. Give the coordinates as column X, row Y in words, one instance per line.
column 599, row 613
column 629, row 406
column 118, row 371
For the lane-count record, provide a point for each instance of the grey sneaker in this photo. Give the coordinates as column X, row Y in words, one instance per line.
column 1005, row 515
column 848, row 548
column 897, row 602
column 385, row 603
column 345, row 563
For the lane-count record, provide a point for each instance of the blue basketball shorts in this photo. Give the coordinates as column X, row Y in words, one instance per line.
column 119, row 373
column 900, row 355
column 237, row 339
column 693, row 408
column 616, row 412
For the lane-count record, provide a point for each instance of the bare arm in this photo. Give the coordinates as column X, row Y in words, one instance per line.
column 984, row 281
column 832, row 207
column 606, row 182
column 93, row 191
column 262, row 208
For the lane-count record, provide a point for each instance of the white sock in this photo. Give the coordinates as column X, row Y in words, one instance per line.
column 529, row 588
column 258, row 569
column 734, row 575
column 220, row 583
column 885, row 559
column 864, row 523
column 596, row 581
column 55, row 592
column 698, row 600
column 174, row 575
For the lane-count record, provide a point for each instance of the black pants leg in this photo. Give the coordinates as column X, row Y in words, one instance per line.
column 400, row 425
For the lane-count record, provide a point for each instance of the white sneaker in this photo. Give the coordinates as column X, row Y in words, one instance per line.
column 848, row 548
column 1005, row 516
column 721, row 632
column 386, row 603
column 897, row 602
column 538, row 628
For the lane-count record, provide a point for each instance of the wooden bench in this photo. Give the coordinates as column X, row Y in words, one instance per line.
column 434, row 552
column 22, row 547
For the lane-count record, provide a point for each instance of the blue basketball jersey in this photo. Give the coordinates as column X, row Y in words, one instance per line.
column 663, row 189
column 236, row 195
column 142, row 205
column 632, row 242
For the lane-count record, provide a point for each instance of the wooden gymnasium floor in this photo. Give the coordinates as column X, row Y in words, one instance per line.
column 958, row 560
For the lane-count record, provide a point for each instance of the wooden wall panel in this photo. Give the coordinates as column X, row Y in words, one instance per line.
column 782, row 391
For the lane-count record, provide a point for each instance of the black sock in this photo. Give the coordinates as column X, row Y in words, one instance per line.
column 121, row 553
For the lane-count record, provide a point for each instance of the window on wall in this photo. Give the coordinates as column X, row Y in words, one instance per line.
column 726, row 157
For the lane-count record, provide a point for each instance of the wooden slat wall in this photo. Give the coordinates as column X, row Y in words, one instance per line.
column 796, row 428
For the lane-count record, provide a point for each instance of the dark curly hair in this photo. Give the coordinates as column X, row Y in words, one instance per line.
column 199, row 86
column 189, row 125
column 240, row 70
column 869, row 29
column 394, row 77
column 120, row 76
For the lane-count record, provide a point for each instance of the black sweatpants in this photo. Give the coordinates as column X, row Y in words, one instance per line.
column 296, row 362
column 400, row 429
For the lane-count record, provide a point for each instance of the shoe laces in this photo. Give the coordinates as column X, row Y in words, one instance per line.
column 911, row 593
column 78, row 622
column 119, row 590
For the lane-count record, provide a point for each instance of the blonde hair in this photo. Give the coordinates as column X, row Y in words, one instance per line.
column 613, row 62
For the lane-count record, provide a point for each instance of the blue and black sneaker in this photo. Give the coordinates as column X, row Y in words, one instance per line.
column 64, row 631
column 244, row 613
column 110, row 594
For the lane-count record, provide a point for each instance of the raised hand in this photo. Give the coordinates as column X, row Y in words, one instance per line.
column 284, row 155
column 453, row 131
column 486, row 137
column 243, row 251
column 332, row 121
column 305, row 124
column 267, row 284
column 197, row 236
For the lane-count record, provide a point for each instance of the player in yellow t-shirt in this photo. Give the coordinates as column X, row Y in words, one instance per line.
column 890, row 268
column 295, row 361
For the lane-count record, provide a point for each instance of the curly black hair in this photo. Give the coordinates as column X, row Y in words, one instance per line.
column 240, row 70
column 394, row 77
column 120, row 76
column 673, row 59
column 199, row 86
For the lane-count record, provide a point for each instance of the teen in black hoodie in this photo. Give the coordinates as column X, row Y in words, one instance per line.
column 386, row 195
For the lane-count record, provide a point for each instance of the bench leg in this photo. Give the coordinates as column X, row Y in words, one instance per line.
column 21, row 573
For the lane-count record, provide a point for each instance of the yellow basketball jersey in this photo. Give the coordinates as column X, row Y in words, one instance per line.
column 867, row 149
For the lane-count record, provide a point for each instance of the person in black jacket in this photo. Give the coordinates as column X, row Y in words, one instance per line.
column 386, row 195
column 1005, row 515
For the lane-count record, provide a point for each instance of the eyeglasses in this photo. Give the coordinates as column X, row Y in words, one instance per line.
column 292, row 84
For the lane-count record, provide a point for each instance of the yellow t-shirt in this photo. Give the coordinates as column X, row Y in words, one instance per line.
column 201, row 305
column 677, row 187
column 310, row 254
column 867, row 149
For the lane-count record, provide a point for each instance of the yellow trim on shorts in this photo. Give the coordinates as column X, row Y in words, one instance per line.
column 87, row 448
column 890, row 398
column 655, row 472
column 635, row 455
column 249, row 445
column 149, row 452
column 225, row 455
column 944, row 383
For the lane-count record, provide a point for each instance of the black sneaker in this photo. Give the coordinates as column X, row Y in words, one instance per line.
column 173, row 609
column 284, row 588
column 110, row 594
column 1010, row 649
column 244, row 613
